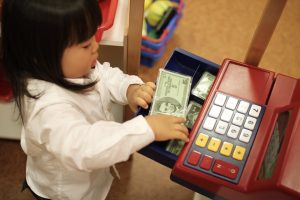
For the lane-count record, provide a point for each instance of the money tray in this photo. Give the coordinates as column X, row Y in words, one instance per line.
column 186, row 63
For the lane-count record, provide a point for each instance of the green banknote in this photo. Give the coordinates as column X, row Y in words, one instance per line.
column 203, row 86
column 175, row 146
column 192, row 113
column 171, row 94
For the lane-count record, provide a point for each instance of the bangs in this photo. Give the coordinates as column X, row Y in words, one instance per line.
column 82, row 22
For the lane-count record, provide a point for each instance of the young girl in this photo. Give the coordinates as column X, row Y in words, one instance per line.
column 64, row 97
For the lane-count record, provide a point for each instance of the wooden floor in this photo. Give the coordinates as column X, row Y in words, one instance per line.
column 223, row 29
column 213, row 30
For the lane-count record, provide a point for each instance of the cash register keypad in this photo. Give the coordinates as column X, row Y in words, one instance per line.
column 225, row 137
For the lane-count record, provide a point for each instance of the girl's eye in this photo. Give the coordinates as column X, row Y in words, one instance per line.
column 87, row 46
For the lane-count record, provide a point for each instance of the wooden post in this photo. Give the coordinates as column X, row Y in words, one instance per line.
column 264, row 31
column 133, row 41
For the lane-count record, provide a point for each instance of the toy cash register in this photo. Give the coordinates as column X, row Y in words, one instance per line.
column 245, row 143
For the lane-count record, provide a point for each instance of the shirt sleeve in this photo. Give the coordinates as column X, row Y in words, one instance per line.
column 84, row 146
column 117, row 82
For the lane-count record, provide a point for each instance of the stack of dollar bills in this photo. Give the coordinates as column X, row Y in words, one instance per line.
column 192, row 113
column 175, row 146
column 203, row 86
column 172, row 96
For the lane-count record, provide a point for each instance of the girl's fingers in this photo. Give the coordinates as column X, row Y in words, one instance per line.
column 178, row 120
column 141, row 102
column 148, row 89
column 181, row 128
column 182, row 136
column 185, row 138
column 151, row 85
column 146, row 97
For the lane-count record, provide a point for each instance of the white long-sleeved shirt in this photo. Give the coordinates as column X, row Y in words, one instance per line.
column 71, row 139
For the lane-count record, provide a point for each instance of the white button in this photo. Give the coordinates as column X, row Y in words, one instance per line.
column 226, row 115
column 238, row 119
column 221, row 127
column 215, row 111
column 233, row 131
column 245, row 135
column 220, row 99
column 254, row 110
column 231, row 103
column 243, row 107
column 250, row 123
column 209, row 123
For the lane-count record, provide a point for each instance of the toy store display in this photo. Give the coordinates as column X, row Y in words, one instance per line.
column 160, row 20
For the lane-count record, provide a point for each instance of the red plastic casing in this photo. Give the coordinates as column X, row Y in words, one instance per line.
column 278, row 93
column 108, row 8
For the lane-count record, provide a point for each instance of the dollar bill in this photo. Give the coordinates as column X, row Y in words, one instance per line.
column 192, row 113
column 171, row 94
column 175, row 146
column 203, row 86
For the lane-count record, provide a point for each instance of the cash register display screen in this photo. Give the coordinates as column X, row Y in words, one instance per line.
column 269, row 163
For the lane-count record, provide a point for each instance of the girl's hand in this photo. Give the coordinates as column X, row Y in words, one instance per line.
column 167, row 127
column 140, row 95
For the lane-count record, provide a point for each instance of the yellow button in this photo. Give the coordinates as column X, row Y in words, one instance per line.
column 214, row 144
column 226, row 149
column 201, row 140
column 239, row 153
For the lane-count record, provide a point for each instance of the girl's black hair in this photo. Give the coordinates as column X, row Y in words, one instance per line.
column 35, row 34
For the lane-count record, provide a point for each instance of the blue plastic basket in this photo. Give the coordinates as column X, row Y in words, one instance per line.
column 167, row 34
column 153, row 49
column 148, row 58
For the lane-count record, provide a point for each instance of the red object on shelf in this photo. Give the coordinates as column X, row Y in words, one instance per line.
column 5, row 89
column 108, row 9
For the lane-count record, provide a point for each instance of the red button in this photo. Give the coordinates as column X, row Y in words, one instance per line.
column 225, row 169
column 206, row 162
column 194, row 157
